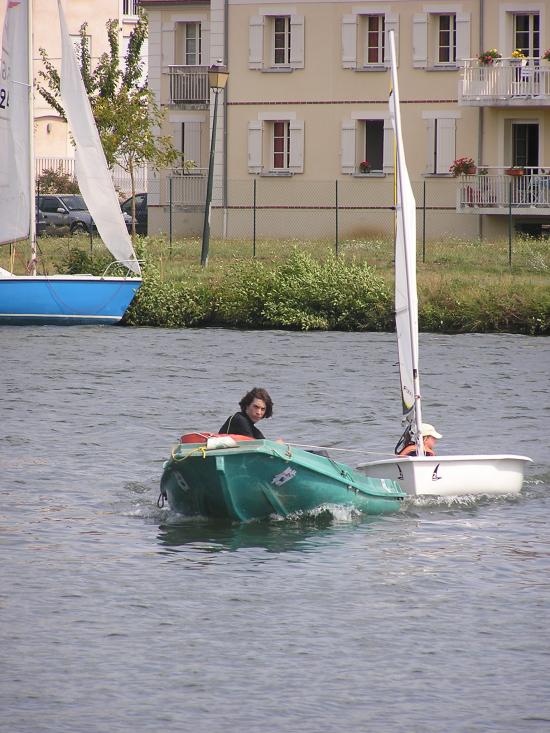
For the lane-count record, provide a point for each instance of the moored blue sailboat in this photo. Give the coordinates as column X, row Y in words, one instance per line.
column 45, row 298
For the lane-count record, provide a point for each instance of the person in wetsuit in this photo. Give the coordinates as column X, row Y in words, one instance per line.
column 255, row 406
column 429, row 437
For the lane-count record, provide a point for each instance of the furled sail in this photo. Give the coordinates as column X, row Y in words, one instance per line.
column 92, row 172
column 15, row 132
column 406, row 299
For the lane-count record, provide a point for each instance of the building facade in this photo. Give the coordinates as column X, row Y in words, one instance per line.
column 305, row 109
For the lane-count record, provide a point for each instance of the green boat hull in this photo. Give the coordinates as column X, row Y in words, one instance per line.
column 261, row 478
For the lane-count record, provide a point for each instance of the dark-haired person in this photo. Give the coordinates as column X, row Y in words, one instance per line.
column 255, row 406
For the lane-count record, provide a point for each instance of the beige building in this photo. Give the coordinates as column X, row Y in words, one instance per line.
column 304, row 127
column 52, row 141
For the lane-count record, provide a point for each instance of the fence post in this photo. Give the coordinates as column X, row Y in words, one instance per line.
column 254, row 219
column 170, row 213
column 336, row 214
column 424, row 224
column 510, row 223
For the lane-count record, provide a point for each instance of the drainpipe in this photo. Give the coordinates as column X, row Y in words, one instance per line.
column 481, row 115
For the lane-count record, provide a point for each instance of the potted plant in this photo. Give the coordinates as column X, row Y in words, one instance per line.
column 464, row 166
column 546, row 55
column 487, row 58
column 515, row 170
column 364, row 166
column 518, row 57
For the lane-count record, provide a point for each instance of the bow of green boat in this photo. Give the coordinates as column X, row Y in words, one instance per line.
column 255, row 479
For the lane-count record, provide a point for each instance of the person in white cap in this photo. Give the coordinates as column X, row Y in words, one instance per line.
column 429, row 438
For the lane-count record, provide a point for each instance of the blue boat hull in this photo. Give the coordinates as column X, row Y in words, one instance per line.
column 261, row 478
column 65, row 299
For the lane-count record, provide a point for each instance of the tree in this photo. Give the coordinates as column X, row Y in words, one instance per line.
column 124, row 109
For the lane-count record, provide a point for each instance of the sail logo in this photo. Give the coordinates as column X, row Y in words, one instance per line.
column 435, row 477
column 283, row 477
column 181, row 482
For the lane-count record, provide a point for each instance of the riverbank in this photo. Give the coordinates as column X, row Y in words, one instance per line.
column 464, row 287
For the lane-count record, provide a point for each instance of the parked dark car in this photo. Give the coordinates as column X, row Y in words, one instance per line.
column 65, row 211
column 141, row 212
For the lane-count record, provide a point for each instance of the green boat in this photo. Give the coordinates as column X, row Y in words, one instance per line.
column 256, row 479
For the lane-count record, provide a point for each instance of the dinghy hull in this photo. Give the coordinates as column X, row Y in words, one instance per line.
column 65, row 299
column 260, row 478
column 450, row 476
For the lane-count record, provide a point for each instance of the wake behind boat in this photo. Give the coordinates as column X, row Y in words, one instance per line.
column 63, row 299
column 237, row 478
column 421, row 474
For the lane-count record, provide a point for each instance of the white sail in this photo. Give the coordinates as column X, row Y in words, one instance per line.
column 406, row 299
column 92, row 172
column 15, row 183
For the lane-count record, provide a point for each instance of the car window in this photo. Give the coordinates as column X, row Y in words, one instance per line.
column 74, row 203
column 50, row 204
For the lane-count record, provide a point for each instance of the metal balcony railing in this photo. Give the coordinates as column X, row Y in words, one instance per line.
column 186, row 188
column 522, row 192
column 130, row 7
column 506, row 81
column 189, row 85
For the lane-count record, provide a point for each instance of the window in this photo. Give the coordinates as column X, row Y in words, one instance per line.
column 374, row 39
column 192, row 44
column 275, row 145
column 276, row 42
column 374, row 144
column 446, row 46
column 440, row 39
column 130, row 7
column 526, row 30
column 367, row 137
column 281, row 40
column 281, row 145
column 525, row 144
column 441, row 141
column 365, row 39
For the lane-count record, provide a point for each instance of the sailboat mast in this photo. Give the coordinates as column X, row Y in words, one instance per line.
column 405, row 217
column 32, row 206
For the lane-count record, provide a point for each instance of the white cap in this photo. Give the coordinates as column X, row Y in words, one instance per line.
column 428, row 429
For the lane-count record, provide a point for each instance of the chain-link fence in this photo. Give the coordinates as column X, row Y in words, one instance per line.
column 355, row 216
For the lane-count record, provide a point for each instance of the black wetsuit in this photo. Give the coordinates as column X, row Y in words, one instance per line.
column 241, row 424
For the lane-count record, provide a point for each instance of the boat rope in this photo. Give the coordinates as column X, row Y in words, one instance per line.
column 347, row 450
column 177, row 459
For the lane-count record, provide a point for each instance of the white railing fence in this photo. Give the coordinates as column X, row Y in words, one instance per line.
column 189, row 84
column 505, row 78
column 504, row 191
column 121, row 178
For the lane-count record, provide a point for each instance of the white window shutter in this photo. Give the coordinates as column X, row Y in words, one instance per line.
column 391, row 24
column 347, row 152
column 297, row 41
column 296, row 146
column 255, row 146
column 388, row 152
column 446, row 144
column 349, row 42
column 430, row 146
column 463, row 50
column 256, row 42
column 420, row 40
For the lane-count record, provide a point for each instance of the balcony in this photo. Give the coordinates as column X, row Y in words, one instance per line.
column 189, row 87
column 505, row 83
column 186, row 188
column 499, row 193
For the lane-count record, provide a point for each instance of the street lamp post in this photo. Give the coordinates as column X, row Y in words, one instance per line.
column 217, row 79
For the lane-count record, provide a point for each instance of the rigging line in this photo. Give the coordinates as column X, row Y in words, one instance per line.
column 347, row 450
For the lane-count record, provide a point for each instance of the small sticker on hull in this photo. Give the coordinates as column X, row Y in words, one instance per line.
column 435, row 477
column 181, row 482
column 284, row 476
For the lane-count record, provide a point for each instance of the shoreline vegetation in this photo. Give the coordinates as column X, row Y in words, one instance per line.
column 464, row 286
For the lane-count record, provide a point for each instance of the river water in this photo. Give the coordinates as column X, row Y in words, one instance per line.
column 119, row 616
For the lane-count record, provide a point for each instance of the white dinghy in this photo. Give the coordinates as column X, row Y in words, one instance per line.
column 460, row 475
